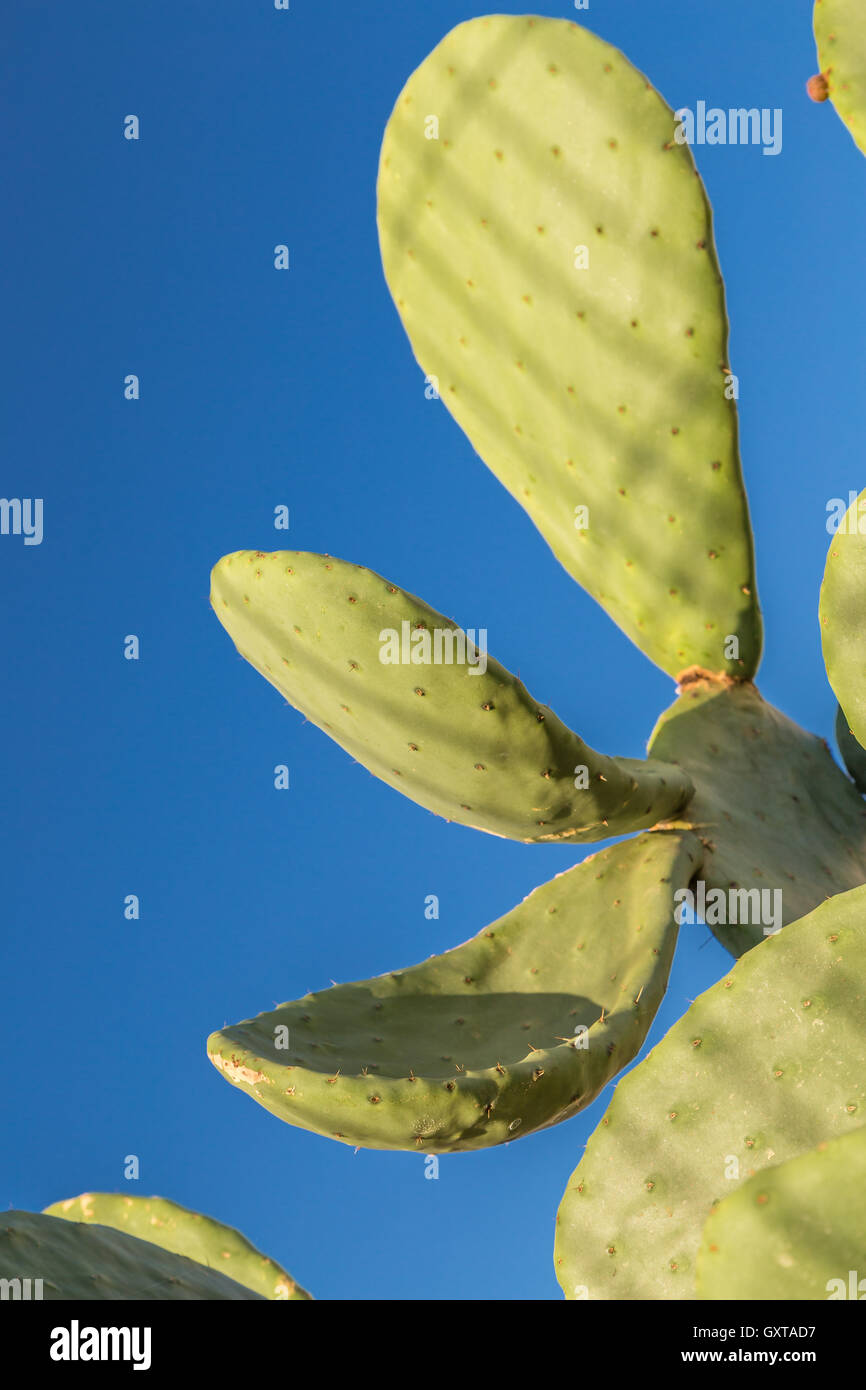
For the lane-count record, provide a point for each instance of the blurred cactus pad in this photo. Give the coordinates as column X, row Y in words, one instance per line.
column 548, row 244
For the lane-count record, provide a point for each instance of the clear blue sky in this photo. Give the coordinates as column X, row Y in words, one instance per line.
column 260, row 388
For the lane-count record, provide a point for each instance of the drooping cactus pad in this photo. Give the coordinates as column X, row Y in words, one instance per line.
column 467, row 742
column 515, row 1030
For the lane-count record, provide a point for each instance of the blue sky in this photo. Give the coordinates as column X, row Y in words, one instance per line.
column 261, row 388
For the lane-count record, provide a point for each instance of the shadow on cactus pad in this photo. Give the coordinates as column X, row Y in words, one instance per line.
column 81, row 1263
column 184, row 1232
column 513, row 1031
column 462, row 736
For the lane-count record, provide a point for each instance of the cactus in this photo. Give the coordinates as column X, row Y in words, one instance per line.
column 840, row 34
column 77, row 1262
column 796, row 1231
column 541, row 134
column 771, row 806
column 183, row 1232
column 546, row 251
column 843, row 617
column 853, row 753
column 517, row 1029
column 548, row 244
column 464, row 739
column 765, row 1065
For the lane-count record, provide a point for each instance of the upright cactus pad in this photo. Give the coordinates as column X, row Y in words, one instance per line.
column 517, row 1029
column 795, row 1231
column 184, row 1232
column 80, row 1263
column 550, row 251
column 843, row 616
column 467, row 742
column 840, row 33
column 774, row 811
column 765, row 1065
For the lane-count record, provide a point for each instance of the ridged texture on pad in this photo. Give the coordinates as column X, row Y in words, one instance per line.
column 853, row 753
column 93, row 1263
column 184, row 1232
column 473, row 747
column 477, row 1046
column 771, row 805
column 840, row 33
column 764, row 1066
column 843, row 616
column 789, row 1232
column 601, row 387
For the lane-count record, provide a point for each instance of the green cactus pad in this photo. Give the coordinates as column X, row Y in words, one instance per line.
column 471, row 745
column 601, row 387
column 840, row 33
column 77, row 1262
column 765, row 1065
column 853, row 753
column 184, row 1232
column 843, row 616
column 796, row 1231
column 513, row 1031
column 772, row 807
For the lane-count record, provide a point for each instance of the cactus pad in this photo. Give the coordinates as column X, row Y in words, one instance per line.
column 796, row 1231
column 853, row 753
column 843, row 616
column 765, row 1065
column 513, row 1031
column 471, row 745
column 548, row 245
column 92, row 1263
column 840, row 33
column 184, row 1232
column 772, row 807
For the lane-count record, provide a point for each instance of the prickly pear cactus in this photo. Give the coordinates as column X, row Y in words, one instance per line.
column 77, row 1262
column 548, row 244
column 840, row 33
column 793, row 1232
column 764, row 1066
column 517, row 1029
column 546, row 249
column 183, row 1232
column 853, row 753
column 776, row 815
column 462, row 737
column 843, row 616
